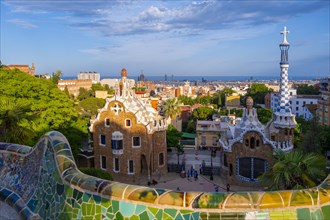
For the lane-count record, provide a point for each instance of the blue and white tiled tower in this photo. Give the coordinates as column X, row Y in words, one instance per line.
column 283, row 116
column 284, row 89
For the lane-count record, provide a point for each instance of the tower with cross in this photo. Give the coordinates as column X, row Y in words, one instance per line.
column 284, row 64
column 283, row 119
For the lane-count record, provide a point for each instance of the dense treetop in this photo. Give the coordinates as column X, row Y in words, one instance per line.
column 52, row 108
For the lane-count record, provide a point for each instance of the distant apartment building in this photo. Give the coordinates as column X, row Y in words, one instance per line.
column 94, row 76
column 297, row 102
column 177, row 92
column 113, row 83
column 208, row 134
column 324, row 102
column 310, row 111
column 148, row 85
column 275, row 88
column 186, row 89
column 73, row 85
column 24, row 68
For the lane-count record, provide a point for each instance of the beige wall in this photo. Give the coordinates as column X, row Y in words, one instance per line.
column 151, row 146
column 101, row 94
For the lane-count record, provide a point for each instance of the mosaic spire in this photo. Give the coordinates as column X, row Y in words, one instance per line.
column 283, row 116
column 284, row 105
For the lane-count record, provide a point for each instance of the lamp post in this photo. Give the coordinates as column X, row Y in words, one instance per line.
column 213, row 151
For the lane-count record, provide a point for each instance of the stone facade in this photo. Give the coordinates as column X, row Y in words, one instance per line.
column 248, row 147
column 74, row 85
column 244, row 149
column 129, row 137
column 324, row 102
column 24, row 68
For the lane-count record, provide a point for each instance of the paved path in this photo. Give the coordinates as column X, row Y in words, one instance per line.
column 191, row 159
column 183, row 184
column 174, row 181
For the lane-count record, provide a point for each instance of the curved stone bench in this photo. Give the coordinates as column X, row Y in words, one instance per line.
column 48, row 185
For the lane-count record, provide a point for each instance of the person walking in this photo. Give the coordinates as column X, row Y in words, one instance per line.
column 228, row 187
column 188, row 175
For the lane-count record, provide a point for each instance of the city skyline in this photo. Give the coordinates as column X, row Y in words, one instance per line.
column 200, row 38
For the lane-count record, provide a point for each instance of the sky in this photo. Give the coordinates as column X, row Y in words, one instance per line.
column 173, row 37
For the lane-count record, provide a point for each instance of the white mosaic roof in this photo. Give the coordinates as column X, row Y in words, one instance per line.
column 143, row 111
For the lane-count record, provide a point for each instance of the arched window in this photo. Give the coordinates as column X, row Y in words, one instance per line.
column 107, row 122
column 246, row 142
column 252, row 142
column 117, row 141
column 257, row 143
column 128, row 122
column 250, row 168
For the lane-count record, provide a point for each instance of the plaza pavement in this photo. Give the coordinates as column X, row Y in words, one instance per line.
column 175, row 182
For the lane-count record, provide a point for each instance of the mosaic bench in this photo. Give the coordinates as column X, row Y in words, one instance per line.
column 43, row 182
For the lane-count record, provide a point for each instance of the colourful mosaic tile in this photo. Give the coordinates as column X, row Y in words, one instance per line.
column 43, row 182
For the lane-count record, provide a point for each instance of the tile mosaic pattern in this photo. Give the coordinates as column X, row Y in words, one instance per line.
column 44, row 183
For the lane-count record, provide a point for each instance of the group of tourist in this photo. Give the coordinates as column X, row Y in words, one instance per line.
column 192, row 173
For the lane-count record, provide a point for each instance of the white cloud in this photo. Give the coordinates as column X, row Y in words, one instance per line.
column 22, row 23
column 143, row 17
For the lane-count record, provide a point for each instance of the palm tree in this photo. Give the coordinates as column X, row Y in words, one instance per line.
column 295, row 170
column 13, row 117
column 171, row 108
column 56, row 76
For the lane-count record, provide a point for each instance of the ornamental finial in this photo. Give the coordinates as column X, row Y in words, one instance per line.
column 285, row 32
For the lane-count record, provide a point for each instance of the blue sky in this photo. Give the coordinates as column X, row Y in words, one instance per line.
column 200, row 38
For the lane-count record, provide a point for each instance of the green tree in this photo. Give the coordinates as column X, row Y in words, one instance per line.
column 89, row 106
column 186, row 100
column 97, row 87
column 15, row 122
column 324, row 138
column 84, row 93
column 56, row 76
column 191, row 127
column 264, row 115
column 110, row 90
column 204, row 100
column 55, row 110
column 295, row 170
column 66, row 91
column 258, row 91
column 202, row 113
column 173, row 139
column 171, row 108
column 310, row 137
column 307, row 90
